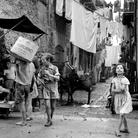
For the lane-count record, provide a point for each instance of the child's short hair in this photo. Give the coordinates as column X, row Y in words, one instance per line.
column 48, row 56
column 124, row 66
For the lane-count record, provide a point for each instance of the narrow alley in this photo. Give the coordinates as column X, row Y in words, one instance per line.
column 52, row 46
column 74, row 121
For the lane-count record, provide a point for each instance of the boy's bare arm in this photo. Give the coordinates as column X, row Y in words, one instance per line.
column 4, row 90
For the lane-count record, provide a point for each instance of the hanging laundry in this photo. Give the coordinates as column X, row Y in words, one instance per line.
column 68, row 9
column 117, row 5
column 115, row 54
column 108, row 59
column 59, row 7
column 100, row 11
column 112, row 55
column 103, row 55
column 120, row 30
column 103, row 26
column 83, row 28
column 112, row 28
column 106, row 12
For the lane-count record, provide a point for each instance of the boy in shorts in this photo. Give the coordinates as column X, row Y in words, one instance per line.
column 50, row 76
column 24, row 75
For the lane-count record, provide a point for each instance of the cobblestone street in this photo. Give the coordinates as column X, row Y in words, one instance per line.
column 98, row 103
column 74, row 121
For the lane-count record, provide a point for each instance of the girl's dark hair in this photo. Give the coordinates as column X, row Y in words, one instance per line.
column 50, row 57
column 125, row 69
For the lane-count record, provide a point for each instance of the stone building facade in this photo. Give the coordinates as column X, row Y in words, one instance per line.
column 42, row 14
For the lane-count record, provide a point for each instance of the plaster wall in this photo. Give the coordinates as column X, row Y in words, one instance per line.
column 34, row 10
column 37, row 12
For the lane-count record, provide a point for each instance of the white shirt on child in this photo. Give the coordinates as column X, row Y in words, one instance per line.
column 25, row 73
column 10, row 73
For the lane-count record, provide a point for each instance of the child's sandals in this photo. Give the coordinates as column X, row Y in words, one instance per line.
column 48, row 123
column 124, row 131
column 29, row 118
column 117, row 133
column 21, row 123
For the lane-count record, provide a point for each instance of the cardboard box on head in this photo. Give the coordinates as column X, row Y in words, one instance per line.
column 24, row 49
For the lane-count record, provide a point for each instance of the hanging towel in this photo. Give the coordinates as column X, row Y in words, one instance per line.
column 103, row 27
column 120, row 30
column 112, row 55
column 83, row 28
column 68, row 9
column 115, row 54
column 59, row 7
column 112, row 28
column 100, row 11
column 108, row 58
column 106, row 12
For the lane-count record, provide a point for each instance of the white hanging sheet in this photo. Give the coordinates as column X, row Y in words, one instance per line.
column 84, row 28
column 68, row 9
column 59, row 7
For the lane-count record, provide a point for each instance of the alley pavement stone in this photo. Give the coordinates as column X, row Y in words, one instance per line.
column 73, row 121
column 65, row 127
column 97, row 106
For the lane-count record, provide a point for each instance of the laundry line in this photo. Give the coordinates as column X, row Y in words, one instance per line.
column 91, row 10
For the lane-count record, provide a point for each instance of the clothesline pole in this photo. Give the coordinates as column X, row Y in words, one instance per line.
column 37, row 37
column 101, row 15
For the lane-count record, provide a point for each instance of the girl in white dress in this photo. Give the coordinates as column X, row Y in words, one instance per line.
column 122, row 99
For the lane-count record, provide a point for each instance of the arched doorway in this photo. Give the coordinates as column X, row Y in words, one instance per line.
column 59, row 57
column 59, row 54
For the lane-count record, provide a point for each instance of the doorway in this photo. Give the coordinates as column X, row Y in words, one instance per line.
column 59, row 57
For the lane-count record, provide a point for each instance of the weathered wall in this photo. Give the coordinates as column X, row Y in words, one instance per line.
column 41, row 13
column 35, row 11
column 61, row 35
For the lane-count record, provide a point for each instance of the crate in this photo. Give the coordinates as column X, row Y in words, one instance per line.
column 24, row 49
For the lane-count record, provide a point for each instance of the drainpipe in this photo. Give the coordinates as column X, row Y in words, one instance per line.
column 136, row 39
